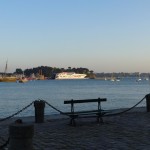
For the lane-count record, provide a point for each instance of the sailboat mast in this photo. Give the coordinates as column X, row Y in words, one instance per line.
column 5, row 71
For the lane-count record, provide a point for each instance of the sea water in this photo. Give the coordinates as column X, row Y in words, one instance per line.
column 120, row 94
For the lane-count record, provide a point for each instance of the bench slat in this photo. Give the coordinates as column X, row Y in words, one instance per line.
column 86, row 113
column 85, row 100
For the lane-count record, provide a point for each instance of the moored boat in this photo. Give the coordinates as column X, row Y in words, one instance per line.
column 23, row 80
column 139, row 78
column 8, row 79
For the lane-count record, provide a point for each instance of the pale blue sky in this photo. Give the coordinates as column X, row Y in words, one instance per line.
column 102, row 35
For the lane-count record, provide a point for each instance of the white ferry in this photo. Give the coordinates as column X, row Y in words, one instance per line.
column 69, row 75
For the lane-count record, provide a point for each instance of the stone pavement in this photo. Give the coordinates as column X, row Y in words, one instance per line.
column 129, row 131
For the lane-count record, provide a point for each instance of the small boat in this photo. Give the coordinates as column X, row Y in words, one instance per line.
column 138, row 79
column 118, row 79
column 147, row 78
column 23, row 80
column 112, row 78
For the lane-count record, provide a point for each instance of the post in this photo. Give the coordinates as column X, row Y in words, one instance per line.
column 21, row 135
column 148, row 102
column 39, row 111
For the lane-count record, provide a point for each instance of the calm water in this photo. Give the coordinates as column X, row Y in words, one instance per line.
column 126, row 93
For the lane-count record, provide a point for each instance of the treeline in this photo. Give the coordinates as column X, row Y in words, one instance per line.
column 50, row 71
column 121, row 74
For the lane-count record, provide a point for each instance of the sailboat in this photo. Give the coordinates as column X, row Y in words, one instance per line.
column 112, row 78
column 139, row 78
column 40, row 76
column 5, row 78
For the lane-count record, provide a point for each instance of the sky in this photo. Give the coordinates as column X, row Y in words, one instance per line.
column 101, row 35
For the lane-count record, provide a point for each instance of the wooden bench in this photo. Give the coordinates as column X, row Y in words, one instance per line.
column 98, row 113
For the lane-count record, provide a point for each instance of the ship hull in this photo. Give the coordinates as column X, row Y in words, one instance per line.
column 8, row 79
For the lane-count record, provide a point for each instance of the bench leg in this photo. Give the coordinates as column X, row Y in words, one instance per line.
column 100, row 119
column 72, row 122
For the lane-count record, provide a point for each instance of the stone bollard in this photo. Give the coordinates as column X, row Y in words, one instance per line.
column 148, row 102
column 39, row 111
column 21, row 135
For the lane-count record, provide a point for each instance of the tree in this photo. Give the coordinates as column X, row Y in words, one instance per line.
column 19, row 71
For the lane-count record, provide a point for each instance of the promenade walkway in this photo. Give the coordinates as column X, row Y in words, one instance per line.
column 129, row 131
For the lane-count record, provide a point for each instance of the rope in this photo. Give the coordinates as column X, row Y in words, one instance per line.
column 126, row 109
column 16, row 112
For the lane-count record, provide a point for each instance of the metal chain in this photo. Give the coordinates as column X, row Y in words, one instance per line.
column 54, row 107
column 119, row 113
column 104, row 114
column 1, row 120
column 7, row 141
column 2, row 138
column 5, row 144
